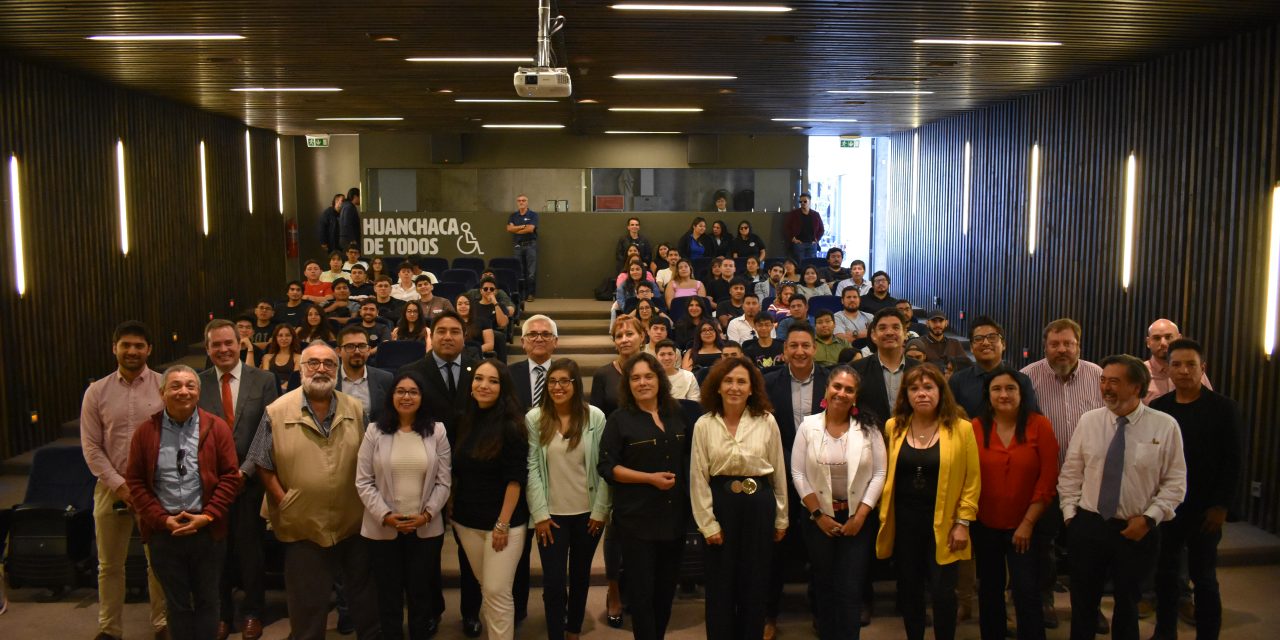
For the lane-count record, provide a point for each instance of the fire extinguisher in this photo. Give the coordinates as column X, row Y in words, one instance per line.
column 291, row 238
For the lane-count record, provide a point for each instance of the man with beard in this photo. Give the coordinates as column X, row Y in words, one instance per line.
column 938, row 348
column 852, row 322
column 1123, row 475
column 879, row 298
column 369, row 385
column 1160, row 335
column 305, row 454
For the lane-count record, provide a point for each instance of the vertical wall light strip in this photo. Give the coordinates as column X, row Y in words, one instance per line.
column 204, row 192
column 888, row 178
column 123, row 198
column 1273, row 277
column 248, row 168
column 1033, row 202
column 1130, row 186
column 279, row 177
column 15, row 219
column 964, row 189
column 915, row 173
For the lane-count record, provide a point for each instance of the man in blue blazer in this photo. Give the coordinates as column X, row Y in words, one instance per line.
column 239, row 395
column 369, row 385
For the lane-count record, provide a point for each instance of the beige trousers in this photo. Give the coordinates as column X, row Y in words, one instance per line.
column 495, row 571
column 113, row 531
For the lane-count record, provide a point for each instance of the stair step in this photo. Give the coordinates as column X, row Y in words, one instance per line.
column 583, row 327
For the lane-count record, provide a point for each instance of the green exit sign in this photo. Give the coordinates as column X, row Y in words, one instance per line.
column 849, row 144
column 318, row 142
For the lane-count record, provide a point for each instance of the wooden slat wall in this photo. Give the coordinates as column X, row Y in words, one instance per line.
column 1205, row 126
column 63, row 130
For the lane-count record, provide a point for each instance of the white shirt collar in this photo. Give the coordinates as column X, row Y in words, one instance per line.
column 235, row 371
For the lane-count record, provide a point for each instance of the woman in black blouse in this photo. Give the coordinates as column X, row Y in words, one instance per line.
column 490, row 468
column 745, row 243
column 719, row 239
column 644, row 455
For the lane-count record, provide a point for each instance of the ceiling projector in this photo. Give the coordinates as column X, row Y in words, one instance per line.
column 543, row 82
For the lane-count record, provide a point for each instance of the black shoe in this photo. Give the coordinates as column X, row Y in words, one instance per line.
column 433, row 627
column 614, row 621
column 471, row 627
column 346, row 626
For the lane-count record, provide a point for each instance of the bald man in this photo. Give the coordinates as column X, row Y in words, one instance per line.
column 1160, row 334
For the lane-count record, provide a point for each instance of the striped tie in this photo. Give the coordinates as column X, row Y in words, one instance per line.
column 539, row 384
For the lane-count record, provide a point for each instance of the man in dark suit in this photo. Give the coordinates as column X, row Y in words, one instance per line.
column 239, row 395
column 799, row 379
column 369, row 385
column 539, row 337
column 448, row 377
column 882, row 373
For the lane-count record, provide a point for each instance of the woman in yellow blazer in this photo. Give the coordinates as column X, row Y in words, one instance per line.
column 930, row 496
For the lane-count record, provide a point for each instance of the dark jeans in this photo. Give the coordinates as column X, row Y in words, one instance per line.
column 653, row 567
column 310, row 569
column 787, row 555
column 471, row 597
column 1046, row 539
column 840, row 569
column 1182, row 532
column 567, row 557
column 188, row 568
column 1097, row 551
column 245, row 566
column 992, row 552
column 804, row 250
column 736, row 580
column 914, row 550
column 403, row 570
column 527, row 254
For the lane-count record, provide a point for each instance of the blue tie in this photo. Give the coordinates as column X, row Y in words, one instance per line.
column 1112, row 473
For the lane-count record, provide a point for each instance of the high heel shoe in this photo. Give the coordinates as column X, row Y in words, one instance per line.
column 613, row 621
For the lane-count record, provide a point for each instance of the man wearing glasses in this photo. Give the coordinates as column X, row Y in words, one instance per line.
column 986, row 337
column 539, row 339
column 803, row 228
column 305, row 451
column 369, row 385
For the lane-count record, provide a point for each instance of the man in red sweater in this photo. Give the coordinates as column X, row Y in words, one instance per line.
column 183, row 476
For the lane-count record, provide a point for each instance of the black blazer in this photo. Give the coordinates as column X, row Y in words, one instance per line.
column 524, row 389
column 872, row 395
column 379, row 389
column 443, row 407
column 258, row 389
column 777, row 384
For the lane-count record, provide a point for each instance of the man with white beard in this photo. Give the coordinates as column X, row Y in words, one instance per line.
column 305, row 452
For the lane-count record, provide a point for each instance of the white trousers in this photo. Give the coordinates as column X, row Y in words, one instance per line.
column 495, row 571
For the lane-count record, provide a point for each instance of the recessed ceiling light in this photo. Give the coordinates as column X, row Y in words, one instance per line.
column 588, row 101
column 368, row 119
column 165, row 37
column 384, row 37
column 658, row 109
column 643, row 133
column 286, row 89
column 497, row 100
column 444, row 90
column 995, row 43
column 472, row 59
column 813, row 119
column 902, row 92
column 523, row 126
column 739, row 8
column 669, row 76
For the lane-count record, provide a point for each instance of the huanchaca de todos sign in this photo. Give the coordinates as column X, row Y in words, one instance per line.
column 417, row 236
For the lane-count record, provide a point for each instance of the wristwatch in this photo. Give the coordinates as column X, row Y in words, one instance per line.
column 962, row 522
column 815, row 515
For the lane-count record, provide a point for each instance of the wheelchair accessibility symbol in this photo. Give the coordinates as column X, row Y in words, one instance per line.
column 467, row 243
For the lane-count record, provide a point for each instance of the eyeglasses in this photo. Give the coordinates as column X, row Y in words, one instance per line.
column 314, row 365
column 182, row 463
column 540, row 335
column 990, row 338
column 355, row 347
column 488, row 289
column 407, row 393
column 559, row 382
column 708, row 330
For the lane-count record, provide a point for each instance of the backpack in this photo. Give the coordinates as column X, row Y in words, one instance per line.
column 606, row 291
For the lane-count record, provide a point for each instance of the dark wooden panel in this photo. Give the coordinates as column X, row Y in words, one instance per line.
column 63, row 130
column 1204, row 125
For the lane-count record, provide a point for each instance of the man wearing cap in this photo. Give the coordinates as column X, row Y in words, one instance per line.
column 803, row 228
column 938, row 348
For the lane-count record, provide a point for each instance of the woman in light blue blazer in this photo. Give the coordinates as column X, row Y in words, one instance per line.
column 568, row 500
column 403, row 477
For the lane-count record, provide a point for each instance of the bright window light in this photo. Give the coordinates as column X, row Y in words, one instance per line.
column 888, row 178
column 964, row 188
column 204, row 191
column 1130, row 187
column 669, row 76
column 1033, row 200
column 15, row 220
column 812, row 119
column 164, row 37
column 991, row 43
column 123, row 198
column 248, row 168
column 279, row 177
column 739, row 8
column 1273, row 276
column 915, row 172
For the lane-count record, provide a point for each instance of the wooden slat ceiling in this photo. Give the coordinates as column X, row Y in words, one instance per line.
column 785, row 63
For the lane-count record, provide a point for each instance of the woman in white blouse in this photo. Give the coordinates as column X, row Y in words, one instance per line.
column 568, row 500
column 403, row 477
column 838, row 466
column 737, row 486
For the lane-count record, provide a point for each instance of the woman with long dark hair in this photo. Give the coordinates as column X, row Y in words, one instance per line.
column 930, row 497
column 810, row 286
column 686, row 330
column 282, row 354
column 412, row 326
column 478, row 333
column 644, row 457
column 738, row 487
column 490, row 469
column 719, row 239
column 747, row 244
column 403, row 475
column 1018, row 455
column 569, row 502
column 315, row 326
column 683, row 284
column 705, row 349
column 693, row 244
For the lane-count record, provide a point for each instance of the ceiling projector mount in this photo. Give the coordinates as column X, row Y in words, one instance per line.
column 544, row 80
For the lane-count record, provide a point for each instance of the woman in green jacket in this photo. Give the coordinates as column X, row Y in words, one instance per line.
column 568, row 501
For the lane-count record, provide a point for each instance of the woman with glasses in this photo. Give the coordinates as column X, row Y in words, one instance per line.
column 738, row 487
column 706, row 348
column 568, row 501
column 747, row 244
column 411, row 326
column 838, row 468
column 490, row 469
column 403, row 477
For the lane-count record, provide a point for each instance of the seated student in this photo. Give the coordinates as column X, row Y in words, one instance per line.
column 249, row 353
column 799, row 312
column 378, row 267
column 388, row 307
column 827, row 344
column 263, row 322
column 335, row 268
column 378, row 332
column 718, row 288
column 879, row 297
column 432, row 305
column 746, row 244
column 657, row 331
column 731, row 307
column 852, row 323
column 645, row 291
column 290, row 311
column 810, row 284
column 504, row 300
column 833, row 272
column 790, row 271
column 353, row 258
column 664, row 275
column 685, row 330
column 281, row 358
column 915, row 350
column 632, row 255
column 743, row 328
column 683, row 284
column 488, row 306
column 477, row 332
column 914, row 329
column 419, row 272
column 660, row 258
column 857, row 269
column 646, row 312
column 412, row 325
column 404, row 290
column 764, row 350
column 342, row 309
column 704, row 351
column 315, row 327
column 683, row 385
column 315, row 290
column 361, row 287
column 628, row 287
column 781, row 306
column 752, row 273
column 768, row 288
column 731, row 349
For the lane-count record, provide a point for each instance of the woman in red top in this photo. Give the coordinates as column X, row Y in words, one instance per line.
column 1018, row 455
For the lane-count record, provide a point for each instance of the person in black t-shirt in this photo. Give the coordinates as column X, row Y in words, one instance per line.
column 294, row 309
column 378, row 331
column 388, row 307
column 833, row 272
column 731, row 307
column 263, row 321
column 765, row 349
column 879, row 297
column 361, row 288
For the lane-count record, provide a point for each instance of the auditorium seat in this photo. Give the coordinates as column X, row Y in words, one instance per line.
column 474, row 264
